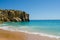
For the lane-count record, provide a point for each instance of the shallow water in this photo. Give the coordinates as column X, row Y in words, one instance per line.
column 51, row 27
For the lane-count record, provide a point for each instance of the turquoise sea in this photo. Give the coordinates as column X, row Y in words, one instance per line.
column 51, row 27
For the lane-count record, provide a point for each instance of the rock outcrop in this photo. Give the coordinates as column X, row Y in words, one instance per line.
column 13, row 16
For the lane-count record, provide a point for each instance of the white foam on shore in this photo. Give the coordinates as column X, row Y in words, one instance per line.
column 9, row 28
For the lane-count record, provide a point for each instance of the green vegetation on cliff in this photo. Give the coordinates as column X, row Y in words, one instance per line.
column 13, row 16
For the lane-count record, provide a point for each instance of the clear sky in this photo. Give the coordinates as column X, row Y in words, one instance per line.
column 38, row 9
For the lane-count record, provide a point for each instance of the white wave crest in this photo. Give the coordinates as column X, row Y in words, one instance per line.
column 10, row 28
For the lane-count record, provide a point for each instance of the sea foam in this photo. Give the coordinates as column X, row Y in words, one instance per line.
column 10, row 28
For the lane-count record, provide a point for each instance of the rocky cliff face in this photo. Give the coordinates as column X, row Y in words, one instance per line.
column 13, row 15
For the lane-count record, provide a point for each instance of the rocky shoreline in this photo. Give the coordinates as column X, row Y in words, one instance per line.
column 13, row 16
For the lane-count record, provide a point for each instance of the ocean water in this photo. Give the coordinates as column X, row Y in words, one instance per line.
column 50, row 27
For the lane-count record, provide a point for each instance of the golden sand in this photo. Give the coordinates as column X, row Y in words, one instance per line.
column 11, row 35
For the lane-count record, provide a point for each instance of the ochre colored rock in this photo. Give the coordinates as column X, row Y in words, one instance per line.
column 13, row 15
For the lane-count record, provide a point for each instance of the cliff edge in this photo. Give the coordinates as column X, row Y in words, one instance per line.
column 13, row 16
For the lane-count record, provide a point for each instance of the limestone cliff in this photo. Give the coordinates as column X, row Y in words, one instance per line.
column 13, row 16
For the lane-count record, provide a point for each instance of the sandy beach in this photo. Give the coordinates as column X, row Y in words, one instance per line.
column 12, row 35
column 9, row 35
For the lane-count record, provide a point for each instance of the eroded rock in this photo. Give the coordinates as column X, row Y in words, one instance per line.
column 13, row 15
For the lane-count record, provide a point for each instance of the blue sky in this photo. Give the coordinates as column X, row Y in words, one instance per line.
column 38, row 9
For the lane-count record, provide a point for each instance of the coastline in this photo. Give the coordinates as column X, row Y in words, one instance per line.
column 9, row 35
column 24, row 35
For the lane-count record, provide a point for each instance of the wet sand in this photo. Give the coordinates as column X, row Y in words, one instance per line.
column 10, row 35
column 13, row 35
